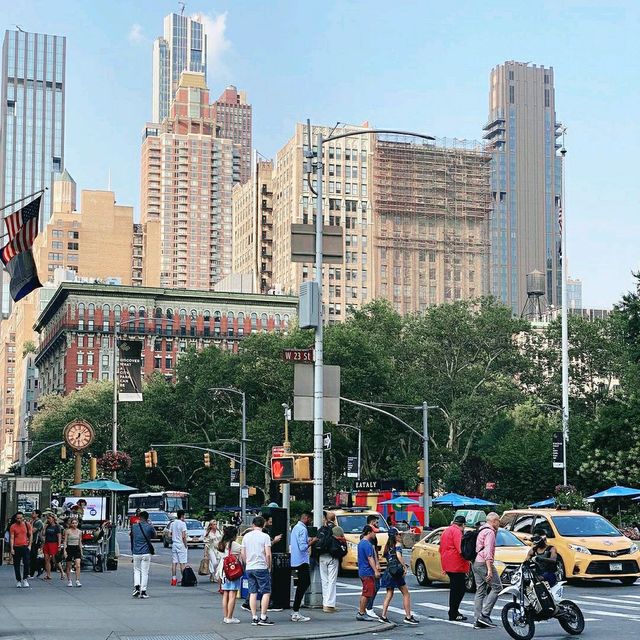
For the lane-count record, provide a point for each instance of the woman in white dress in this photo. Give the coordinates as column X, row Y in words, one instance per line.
column 212, row 538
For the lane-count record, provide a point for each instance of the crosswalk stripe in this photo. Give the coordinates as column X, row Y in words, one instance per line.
column 396, row 610
column 602, row 604
column 613, row 614
column 611, row 600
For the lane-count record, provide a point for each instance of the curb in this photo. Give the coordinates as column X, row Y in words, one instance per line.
column 310, row 636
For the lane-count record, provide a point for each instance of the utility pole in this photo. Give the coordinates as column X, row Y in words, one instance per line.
column 564, row 317
column 286, row 485
column 426, row 494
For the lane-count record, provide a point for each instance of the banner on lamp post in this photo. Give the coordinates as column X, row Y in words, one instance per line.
column 129, row 370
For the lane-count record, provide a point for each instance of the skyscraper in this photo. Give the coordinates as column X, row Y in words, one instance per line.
column 188, row 175
column 182, row 48
column 526, row 181
column 32, row 96
column 233, row 116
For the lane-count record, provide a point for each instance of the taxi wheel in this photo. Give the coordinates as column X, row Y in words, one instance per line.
column 561, row 574
column 627, row 582
column 422, row 575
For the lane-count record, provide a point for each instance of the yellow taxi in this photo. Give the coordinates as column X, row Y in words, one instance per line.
column 511, row 552
column 588, row 545
column 352, row 520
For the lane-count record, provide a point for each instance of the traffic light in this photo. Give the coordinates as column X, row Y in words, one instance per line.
column 63, row 452
column 232, row 463
column 282, row 468
column 93, row 468
column 207, row 459
column 303, row 468
column 148, row 459
column 420, row 468
column 154, row 457
column 252, row 491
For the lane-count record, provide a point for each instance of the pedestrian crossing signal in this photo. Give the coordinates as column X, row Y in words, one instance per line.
column 282, row 468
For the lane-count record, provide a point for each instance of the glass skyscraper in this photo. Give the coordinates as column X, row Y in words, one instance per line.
column 183, row 47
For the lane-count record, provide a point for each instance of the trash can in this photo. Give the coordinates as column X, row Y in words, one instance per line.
column 244, row 586
column 281, row 581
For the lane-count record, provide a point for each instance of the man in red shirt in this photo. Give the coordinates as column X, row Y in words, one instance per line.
column 20, row 541
column 454, row 565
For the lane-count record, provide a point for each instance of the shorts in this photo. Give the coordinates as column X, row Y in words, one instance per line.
column 231, row 585
column 259, row 581
column 179, row 556
column 389, row 582
column 368, row 586
column 73, row 552
column 50, row 548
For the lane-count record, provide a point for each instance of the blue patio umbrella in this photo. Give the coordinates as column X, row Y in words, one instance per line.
column 401, row 501
column 454, row 500
column 104, row 485
column 481, row 502
column 547, row 502
column 616, row 492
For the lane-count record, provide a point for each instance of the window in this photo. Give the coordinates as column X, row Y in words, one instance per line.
column 512, row 94
column 72, row 246
column 79, row 377
column 80, row 359
column 74, row 235
column 89, row 358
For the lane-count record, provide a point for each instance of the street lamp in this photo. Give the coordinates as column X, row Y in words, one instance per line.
column 318, row 384
column 359, row 430
column 243, row 448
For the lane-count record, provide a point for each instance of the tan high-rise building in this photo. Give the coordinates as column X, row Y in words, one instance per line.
column 253, row 227
column 233, row 116
column 415, row 219
column 188, row 175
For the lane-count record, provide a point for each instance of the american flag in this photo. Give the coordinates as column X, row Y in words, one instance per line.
column 22, row 228
column 560, row 226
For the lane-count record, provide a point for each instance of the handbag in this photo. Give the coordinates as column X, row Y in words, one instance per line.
column 203, row 569
column 152, row 551
column 394, row 567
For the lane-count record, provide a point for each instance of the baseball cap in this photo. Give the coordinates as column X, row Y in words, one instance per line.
column 459, row 520
column 393, row 531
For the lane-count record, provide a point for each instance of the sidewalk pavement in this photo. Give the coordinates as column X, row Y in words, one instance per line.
column 103, row 609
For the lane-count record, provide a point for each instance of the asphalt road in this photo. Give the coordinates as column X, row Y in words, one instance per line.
column 609, row 608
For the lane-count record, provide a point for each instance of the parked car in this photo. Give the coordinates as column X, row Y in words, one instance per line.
column 159, row 520
column 195, row 534
column 588, row 545
column 511, row 552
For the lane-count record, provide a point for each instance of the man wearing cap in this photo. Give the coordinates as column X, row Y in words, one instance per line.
column 454, row 565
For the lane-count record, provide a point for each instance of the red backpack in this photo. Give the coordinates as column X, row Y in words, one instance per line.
column 232, row 567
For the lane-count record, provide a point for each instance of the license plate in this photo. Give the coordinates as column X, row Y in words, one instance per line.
column 615, row 566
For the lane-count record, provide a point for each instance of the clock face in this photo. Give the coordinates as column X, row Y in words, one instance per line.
column 78, row 435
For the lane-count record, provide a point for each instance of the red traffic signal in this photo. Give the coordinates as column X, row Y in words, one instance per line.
column 282, row 468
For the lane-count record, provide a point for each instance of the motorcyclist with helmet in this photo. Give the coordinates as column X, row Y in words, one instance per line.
column 544, row 556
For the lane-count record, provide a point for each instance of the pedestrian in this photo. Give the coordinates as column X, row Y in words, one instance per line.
column 36, row 542
column 393, row 577
column 236, row 519
column 368, row 571
column 141, row 550
column 212, row 537
column 300, row 543
column 228, row 548
column 329, row 560
column 20, row 535
column 373, row 522
column 178, row 532
column 135, row 518
column 454, row 566
column 52, row 536
column 256, row 557
column 486, row 575
column 72, row 544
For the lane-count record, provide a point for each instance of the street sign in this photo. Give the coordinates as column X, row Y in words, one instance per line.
column 303, row 393
column 298, row 355
column 234, row 478
column 244, row 492
column 212, row 500
column 277, row 452
column 326, row 441
column 490, row 486
column 558, row 450
column 367, row 485
column 352, row 467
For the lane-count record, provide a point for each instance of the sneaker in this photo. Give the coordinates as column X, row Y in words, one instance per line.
column 245, row 606
column 329, row 609
column 144, row 595
column 274, row 608
column 233, row 621
column 78, row 583
column 19, row 584
column 25, row 584
column 254, row 621
column 482, row 624
column 174, row 582
column 69, row 584
column 372, row 614
column 362, row 617
column 410, row 620
column 136, row 592
column 225, row 620
column 488, row 621
column 265, row 622
column 384, row 619
column 297, row 617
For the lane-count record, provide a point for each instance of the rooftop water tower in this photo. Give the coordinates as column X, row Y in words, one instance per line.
column 536, row 303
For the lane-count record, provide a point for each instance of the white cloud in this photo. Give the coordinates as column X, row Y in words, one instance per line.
column 217, row 44
column 136, row 35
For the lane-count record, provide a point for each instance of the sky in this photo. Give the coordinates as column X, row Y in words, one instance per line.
column 412, row 65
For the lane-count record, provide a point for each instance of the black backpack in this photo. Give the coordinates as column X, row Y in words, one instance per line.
column 324, row 543
column 188, row 578
column 468, row 545
column 338, row 548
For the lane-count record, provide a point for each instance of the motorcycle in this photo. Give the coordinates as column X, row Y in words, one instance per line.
column 534, row 601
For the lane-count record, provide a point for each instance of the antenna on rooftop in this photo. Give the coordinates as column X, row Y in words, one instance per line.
column 181, row 10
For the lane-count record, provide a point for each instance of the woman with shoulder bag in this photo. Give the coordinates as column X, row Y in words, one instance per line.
column 393, row 577
column 211, row 558
column 229, row 561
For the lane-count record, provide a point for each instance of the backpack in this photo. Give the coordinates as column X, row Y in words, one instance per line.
column 338, row 547
column 188, row 578
column 324, row 543
column 468, row 545
column 232, row 567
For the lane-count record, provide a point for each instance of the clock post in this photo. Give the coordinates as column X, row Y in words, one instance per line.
column 78, row 434
column 77, row 472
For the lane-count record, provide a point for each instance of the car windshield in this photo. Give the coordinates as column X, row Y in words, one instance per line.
column 158, row 517
column 355, row 522
column 585, row 526
column 193, row 524
column 505, row 538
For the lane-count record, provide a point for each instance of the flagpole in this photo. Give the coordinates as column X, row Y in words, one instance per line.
column 35, row 193
column 564, row 318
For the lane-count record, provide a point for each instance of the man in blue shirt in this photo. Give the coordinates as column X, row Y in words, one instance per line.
column 368, row 570
column 300, row 543
column 142, row 550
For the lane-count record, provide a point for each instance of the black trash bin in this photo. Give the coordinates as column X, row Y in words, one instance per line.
column 281, row 581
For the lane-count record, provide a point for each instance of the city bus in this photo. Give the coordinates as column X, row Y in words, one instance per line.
column 158, row 501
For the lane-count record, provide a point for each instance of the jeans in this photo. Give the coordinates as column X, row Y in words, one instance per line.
column 457, row 590
column 373, row 597
column 329, row 576
column 21, row 555
column 33, row 558
column 304, row 580
column 487, row 592
column 141, row 565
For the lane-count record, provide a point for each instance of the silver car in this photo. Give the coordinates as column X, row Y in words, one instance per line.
column 195, row 534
